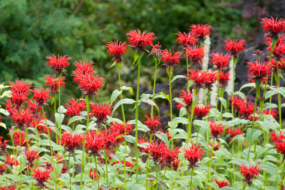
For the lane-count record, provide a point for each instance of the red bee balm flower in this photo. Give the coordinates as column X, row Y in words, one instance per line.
column 58, row 64
column 121, row 128
column 279, row 49
column 200, row 30
column 93, row 175
column 187, row 98
column 216, row 130
column 11, row 161
column 94, row 143
column 234, row 132
column 156, row 150
column 22, row 118
column 117, row 50
column 201, row 111
column 70, row 141
column 89, row 84
column 140, row 40
column 186, row 39
column 152, row 123
column 249, row 172
column 19, row 139
column 41, row 96
column 82, row 68
column 195, row 54
column 277, row 137
column 3, row 145
column 273, row 26
column 74, row 108
column 236, row 101
column 280, row 146
column 169, row 59
column 234, row 47
column 246, row 109
column 18, row 98
column 52, row 82
column 202, row 79
column 110, row 139
column 156, row 50
column 31, row 156
column 100, row 112
column 224, row 79
column 169, row 156
column 193, row 154
column 20, row 86
column 2, row 168
column 273, row 64
column 41, row 176
column 12, row 187
column 220, row 61
column 222, row 182
column 259, row 71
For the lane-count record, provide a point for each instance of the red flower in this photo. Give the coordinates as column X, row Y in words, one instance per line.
column 100, row 112
column 273, row 26
column 169, row 59
column 187, row 98
column 246, row 109
column 236, row 102
column 121, row 128
column 117, row 50
column 169, row 156
column 82, row 68
column 273, row 64
column 20, row 86
column 202, row 79
column 31, row 156
column 280, row 146
column 12, row 187
column 195, row 54
column 222, row 182
column 220, row 61
column 70, row 141
column 156, row 50
column 22, row 118
column 52, row 82
column 74, row 108
column 234, row 47
column 259, row 71
column 200, row 30
column 142, row 140
column 216, row 130
column 249, row 172
column 19, row 139
column 234, row 132
column 156, row 150
column 140, row 40
column 215, row 146
column 186, row 39
column 9, row 108
column 224, row 79
column 89, row 84
column 41, row 96
column 193, row 154
column 40, row 125
column 279, row 49
column 2, row 168
column 201, row 111
column 175, row 164
column 3, row 145
column 58, row 64
column 253, row 118
column 33, row 107
column 110, row 139
column 18, row 98
column 275, row 137
column 41, row 176
column 152, row 123
column 93, row 175
column 11, row 161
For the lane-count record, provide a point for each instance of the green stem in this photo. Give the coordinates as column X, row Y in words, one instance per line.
column 187, row 72
column 106, row 163
column 192, row 173
column 154, row 84
column 156, row 177
column 68, row 171
column 170, row 90
column 279, row 96
column 59, row 101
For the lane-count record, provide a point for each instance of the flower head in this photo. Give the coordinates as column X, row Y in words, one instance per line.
column 273, row 112
column 3, row 145
column 224, row 79
column 169, row 156
column 22, row 118
column 259, row 71
column 195, row 54
column 187, row 98
column 41, row 96
column 156, row 150
column 117, row 50
column 236, row 102
column 54, row 82
column 273, row 26
column 74, row 108
column 41, row 176
column 71, row 141
column 186, row 39
column 100, row 112
column 58, row 64
column 121, row 128
column 31, row 156
column 201, row 111
column 2, row 168
column 193, row 154
column 156, row 50
column 200, row 30
column 11, row 161
column 9, row 107
column 202, row 79
column 20, row 86
column 273, row 64
column 94, row 143
column 142, row 144
column 175, row 164
column 280, row 146
column 152, row 123
column 110, row 139
column 249, row 172
column 18, row 98
column 20, row 139
column 82, row 68
column 275, row 137
column 12, row 187
column 234, row 47
column 140, row 40
column 93, row 175
column 246, row 109
column 169, row 59
column 222, row 182
column 216, row 130
column 220, row 61
column 33, row 107
column 279, row 49
column 89, row 84
column 234, row 132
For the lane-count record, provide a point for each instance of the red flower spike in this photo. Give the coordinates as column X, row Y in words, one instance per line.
column 71, row 141
column 273, row 26
column 216, row 130
column 156, row 150
column 259, row 71
column 246, row 109
column 156, row 50
column 100, row 112
column 3, row 145
column 273, row 64
column 82, row 68
column 187, row 98
column 58, row 64
column 249, row 172
column 200, row 30
column 169, row 156
column 41, row 96
column 21, row 87
column 201, row 111
column 31, row 156
column 279, row 49
column 140, row 40
column 280, row 146
column 93, row 174
column 41, row 176
column 89, row 84
column 202, row 79
column 22, row 118
column 94, row 143
column 74, row 108
column 186, row 39
column 234, row 47
column 2, row 168
column 234, row 132
column 33, row 107
column 195, row 54
column 169, row 59
column 236, row 102
column 153, row 123
column 117, row 50
column 18, row 99
column 122, row 129
column 110, row 139
column 277, row 137
column 193, row 154
column 11, row 161
column 19, row 139
column 52, row 82
column 224, row 79
column 222, row 182
column 12, row 187
column 220, row 61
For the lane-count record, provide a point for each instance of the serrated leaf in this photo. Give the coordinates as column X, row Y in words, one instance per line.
column 123, row 101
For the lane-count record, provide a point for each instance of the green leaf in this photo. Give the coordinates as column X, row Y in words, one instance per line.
column 182, row 112
column 239, row 138
column 224, row 102
column 214, row 185
column 4, row 112
column 127, row 88
column 252, row 137
column 161, row 95
column 270, row 93
column 227, row 188
column 123, row 101
column 251, row 85
column 3, row 125
column 228, row 115
column 136, row 57
column 269, row 167
column 163, row 137
column 113, row 64
column 59, row 118
column 130, row 138
column 115, row 95
column 177, row 77
column 280, row 90
column 75, row 118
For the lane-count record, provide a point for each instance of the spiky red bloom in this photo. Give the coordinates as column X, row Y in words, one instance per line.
column 93, row 174
column 142, row 140
column 40, row 124
column 169, row 59
column 272, row 112
column 18, row 98
column 234, row 132
column 169, row 156
column 10, row 160
column 186, row 39
column 273, row 26
column 215, row 146
column 234, row 47
column 200, row 30
column 12, row 187
column 279, row 49
column 224, row 79
column 82, row 68
column 246, row 109
column 201, row 111
column 180, row 105
column 236, row 102
column 58, row 64
column 19, row 139
column 53, row 81
column 20, row 86
column 187, row 98
column 3, row 145
column 273, row 64
column 140, row 40
column 70, row 141
column 117, row 50
column 280, row 146
column 216, row 130
column 94, row 143
column 275, row 137
column 100, row 112
column 220, row 61
column 202, row 79
column 22, row 118
column 9, row 107
column 31, row 156
column 74, row 108
column 253, row 118
column 33, row 107
column 41, row 96
column 193, row 154
column 156, row 50
column 259, row 71
column 153, row 123
column 195, row 54
column 110, row 139
column 249, row 172
column 121, row 128
column 2, row 168
column 175, row 164
column 222, row 182
column 41, row 176
column 166, row 133
column 156, row 150
column 89, row 84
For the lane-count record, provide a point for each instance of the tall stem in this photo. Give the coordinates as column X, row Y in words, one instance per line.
column 170, row 92
column 279, row 96
column 154, row 84
column 187, row 71
column 59, row 100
